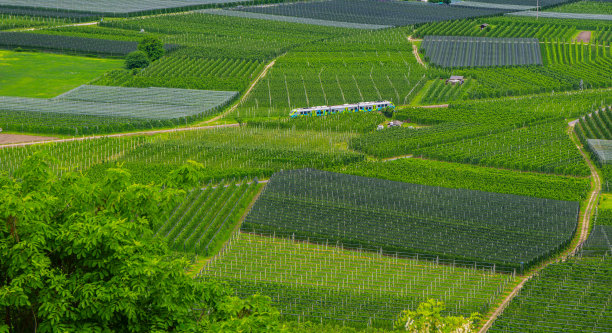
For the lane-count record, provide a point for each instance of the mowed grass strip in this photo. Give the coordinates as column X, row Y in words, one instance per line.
column 45, row 75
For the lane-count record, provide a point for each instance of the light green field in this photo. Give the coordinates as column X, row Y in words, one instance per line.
column 47, row 75
column 326, row 283
column 585, row 7
column 606, row 201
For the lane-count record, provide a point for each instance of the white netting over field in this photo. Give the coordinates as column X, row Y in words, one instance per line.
column 458, row 51
column 293, row 19
column 139, row 103
column 601, row 148
column 109, row 6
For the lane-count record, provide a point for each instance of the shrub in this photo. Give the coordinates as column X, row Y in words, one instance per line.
column 153, row 47
column 136, row 59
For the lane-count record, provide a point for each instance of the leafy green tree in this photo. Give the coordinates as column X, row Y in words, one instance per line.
column 387, row 112
column 428, row 318
column 77, row 256
column 153, row 47
column 136, row 59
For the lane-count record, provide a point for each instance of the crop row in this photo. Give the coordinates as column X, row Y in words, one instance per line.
column 370, row 11
column 555, row 15
column 342, row 122
column 456, row 175
column 595, row 132
column 566, row 67
column 103, row 7
column 189, row 73
column 501, row 133
column 449, row 51
column 525, row 27
column 542, row 148
column 293, row 19
column 598, row 243
column 587, row 7
column 69, row 43
column 597, row 125
column 225, row 152
column 438, row 91
column 509, row 231
column 13, row 22
column 302, row 79
column 330, row 285
column 214, row 36
column 202, row 222
column 543, row 3
column 568, row 296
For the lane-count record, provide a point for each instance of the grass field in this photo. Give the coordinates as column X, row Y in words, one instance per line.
column 46, row 75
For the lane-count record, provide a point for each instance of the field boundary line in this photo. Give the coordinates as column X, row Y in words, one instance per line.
column 246, row 93
column 58, row 26
column 584, row 229
column 83, row 138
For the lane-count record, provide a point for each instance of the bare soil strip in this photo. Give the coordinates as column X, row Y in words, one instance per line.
column 120, row 135
column 433, row 106
column 584, row 229
column 17, row 138
column 584, row 37
column 415, row 51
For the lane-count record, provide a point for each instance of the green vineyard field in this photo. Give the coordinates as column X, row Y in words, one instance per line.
column 379, row 215
column 327, row 284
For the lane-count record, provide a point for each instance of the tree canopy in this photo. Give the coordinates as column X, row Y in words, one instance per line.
column 153, row 47
column 80, row 256
column 136, row 59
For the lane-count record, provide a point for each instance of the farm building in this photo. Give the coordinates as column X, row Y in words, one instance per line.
column 455, row 80
column 484, row 26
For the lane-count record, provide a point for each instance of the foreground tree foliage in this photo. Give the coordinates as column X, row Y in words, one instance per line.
column 428, row 318
column 77, row 256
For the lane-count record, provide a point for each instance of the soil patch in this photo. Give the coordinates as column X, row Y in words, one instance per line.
column 584, row 36
column 16, row 138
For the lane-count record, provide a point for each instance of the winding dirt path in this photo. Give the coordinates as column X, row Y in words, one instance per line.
column 584, row 229
column 586, row 219
column 246, row 93
column 436, row 106
column 415, row 51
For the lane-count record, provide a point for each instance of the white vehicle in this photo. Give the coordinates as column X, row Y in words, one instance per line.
column 325, row 110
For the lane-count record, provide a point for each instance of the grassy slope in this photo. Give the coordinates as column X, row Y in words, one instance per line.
column 47, row 75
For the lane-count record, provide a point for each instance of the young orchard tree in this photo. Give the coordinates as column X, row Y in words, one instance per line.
column 77, row 256
column 428, row 318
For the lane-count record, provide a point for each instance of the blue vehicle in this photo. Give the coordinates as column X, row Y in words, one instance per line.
column 318, row 111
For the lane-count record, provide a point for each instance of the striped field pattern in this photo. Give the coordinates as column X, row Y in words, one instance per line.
column 451, row 51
